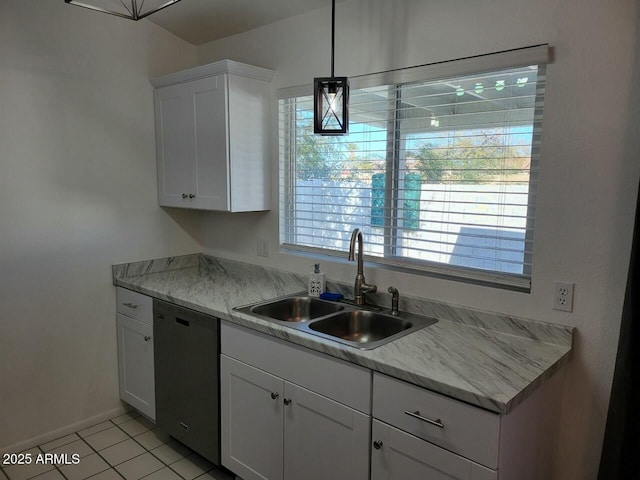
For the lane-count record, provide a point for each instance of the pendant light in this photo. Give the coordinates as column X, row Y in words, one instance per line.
column 131, row 9
column 331, row 96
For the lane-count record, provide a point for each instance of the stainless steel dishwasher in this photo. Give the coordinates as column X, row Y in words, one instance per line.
column 187, row 372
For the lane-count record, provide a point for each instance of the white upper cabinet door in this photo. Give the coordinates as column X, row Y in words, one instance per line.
column 323, row 438
column 209, row 99
column 175, row 147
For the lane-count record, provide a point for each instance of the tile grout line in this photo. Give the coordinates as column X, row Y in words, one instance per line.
column 145, row 451
column 55, row 464
column 167, row 465
column 103, row 459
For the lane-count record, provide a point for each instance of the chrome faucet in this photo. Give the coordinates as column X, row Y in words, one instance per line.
column 395, row 297
column 361, row 286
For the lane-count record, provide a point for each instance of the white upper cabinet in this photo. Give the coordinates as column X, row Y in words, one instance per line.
column 212, row 138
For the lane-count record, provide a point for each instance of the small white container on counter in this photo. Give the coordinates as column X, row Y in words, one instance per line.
column 316, row 281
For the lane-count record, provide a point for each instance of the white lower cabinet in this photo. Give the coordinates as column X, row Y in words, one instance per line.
column 135, row 365
column 136, row 370
column 399, row 455
column 275, row 429
column 291, row 413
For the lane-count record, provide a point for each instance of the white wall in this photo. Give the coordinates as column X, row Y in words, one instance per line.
column 77, row 194
column 589, row 167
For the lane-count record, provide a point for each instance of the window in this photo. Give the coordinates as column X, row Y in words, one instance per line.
column 439, row 169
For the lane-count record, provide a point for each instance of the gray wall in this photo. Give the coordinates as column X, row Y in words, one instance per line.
column 77, row 194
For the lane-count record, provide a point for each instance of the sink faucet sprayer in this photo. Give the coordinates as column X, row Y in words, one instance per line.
column 360, row 287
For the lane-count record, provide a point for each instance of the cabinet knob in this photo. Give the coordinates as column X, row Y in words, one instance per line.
column 287, row 401
column 377, row 444
column 184, row 195
column 191, row 195
column 274, row 395
column 147, row 338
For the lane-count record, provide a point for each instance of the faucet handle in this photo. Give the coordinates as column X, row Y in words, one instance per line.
column 395, row 297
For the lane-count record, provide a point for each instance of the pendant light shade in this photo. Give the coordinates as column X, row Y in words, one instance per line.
column 331, row 104
column 331, row 96
column 131, row 9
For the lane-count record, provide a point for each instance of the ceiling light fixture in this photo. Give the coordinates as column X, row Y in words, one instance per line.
column 331, row 96
column 131, row 9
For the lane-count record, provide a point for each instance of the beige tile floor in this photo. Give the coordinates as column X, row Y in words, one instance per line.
column 127, row 447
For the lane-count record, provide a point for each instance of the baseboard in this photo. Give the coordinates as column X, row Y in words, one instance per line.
column 61, row 432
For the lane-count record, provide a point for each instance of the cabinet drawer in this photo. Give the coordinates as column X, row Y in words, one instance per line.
column 399, row 455
column 458, row 427
column 135, row 305
column 342, row 381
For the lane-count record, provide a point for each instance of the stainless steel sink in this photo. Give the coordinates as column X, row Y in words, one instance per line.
column 344, row 323
column 296, row 309
column 361, row 326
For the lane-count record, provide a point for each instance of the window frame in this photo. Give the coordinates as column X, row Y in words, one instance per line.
column 536, row 55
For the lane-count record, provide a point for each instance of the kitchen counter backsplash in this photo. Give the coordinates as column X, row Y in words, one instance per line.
column 488, row 359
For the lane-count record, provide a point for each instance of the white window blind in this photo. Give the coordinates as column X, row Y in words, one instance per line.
column 439, row 169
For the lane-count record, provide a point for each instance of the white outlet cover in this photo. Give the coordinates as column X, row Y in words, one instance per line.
column 263, row 247
column 563, row 296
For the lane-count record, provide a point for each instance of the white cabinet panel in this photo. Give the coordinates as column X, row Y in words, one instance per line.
column 135, row 364
column 209, row 100
column 252, row 433
column 400, row 455
column 175, row 147
column 323, row 439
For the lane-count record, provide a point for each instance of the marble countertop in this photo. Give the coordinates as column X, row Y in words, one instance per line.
column 486, row 359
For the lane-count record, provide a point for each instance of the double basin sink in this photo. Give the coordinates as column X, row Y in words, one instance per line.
column 356, row 326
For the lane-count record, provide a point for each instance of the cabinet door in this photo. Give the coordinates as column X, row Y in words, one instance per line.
column 323, row 439
column 211, row 176
column 399, row 455
column 135, row 364
column 252, row 433
column 175, row 145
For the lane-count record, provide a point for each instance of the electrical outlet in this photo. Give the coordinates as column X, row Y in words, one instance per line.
column 263, row 247
column 563, row 296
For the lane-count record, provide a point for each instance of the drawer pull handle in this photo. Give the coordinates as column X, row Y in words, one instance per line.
column 287, row 401
column 147, row 338
column 437, row 422
column 377, row 444
column 130, row 305
column 184, row 426
column 182, row 322
column 274, row 395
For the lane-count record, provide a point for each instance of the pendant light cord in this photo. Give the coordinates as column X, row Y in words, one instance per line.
column 333, row 32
